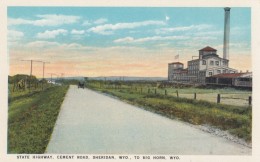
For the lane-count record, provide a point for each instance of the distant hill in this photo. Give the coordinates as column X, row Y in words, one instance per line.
column 129, row 78
column 114, row 78
column 67, row 78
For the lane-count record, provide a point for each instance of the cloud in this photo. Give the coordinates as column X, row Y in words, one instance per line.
column 96, row 22
column 14, row 35
column 86, row 23
column 77, row 32
column 238, row 47
column 19, row 21
column 167, row 18
column 207, row 33
column 107, row 29
column 47, row 45
column 124, row 40
column 241, row 45
column 42, row 44
column 182, row 28
column 147, row 39
column 46, row 20
column 51, row 34
column 100, row 21
column 204, row 38
column 54, row 20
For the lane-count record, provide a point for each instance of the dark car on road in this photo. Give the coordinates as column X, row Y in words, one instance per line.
column 81, row 85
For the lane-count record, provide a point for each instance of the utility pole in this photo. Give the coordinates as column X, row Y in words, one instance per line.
column 61, row 77
column 51, row 76
column 31, row 71
column 43, row 69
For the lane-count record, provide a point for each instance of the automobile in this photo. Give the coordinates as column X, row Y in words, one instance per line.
column 81, row 85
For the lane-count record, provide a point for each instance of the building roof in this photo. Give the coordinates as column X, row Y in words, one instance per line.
column 247, row 75
column 194, row 60
column 210, row 55
column 208, row 48
column 228, row 75
column 176, row 63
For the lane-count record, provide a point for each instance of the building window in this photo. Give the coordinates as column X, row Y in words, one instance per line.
column 203, row 62
column 224, row 63
column 219, row 71
column 224, row 71
column 217, row 63
column 211, row 62
column 210, row 73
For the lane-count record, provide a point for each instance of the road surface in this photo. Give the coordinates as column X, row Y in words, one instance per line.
column 93, row 123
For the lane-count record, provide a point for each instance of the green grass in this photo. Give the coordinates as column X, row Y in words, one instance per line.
column 229, row 95
column 236, row 119
column 31, row 118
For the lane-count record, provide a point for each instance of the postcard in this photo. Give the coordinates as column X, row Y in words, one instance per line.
column 129, row 82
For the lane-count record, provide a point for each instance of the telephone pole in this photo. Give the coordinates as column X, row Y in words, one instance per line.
column 31, row 71
column 61, row 76
column 43, row 69
column 51, row 76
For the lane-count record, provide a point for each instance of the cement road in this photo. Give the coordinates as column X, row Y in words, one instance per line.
column 93, row 123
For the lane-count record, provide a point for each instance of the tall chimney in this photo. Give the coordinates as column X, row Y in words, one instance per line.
column 226, row 33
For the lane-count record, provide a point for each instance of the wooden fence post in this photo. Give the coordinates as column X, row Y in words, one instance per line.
column 250, row 100
column 218, row 98
column 154, row 91
column 177, row 93
column 165, row 92
column 195, row 96
column 148, row 90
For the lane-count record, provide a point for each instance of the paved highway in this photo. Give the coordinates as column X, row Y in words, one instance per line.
column 93, row 123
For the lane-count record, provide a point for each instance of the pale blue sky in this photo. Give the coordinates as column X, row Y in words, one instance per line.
column 163, row 30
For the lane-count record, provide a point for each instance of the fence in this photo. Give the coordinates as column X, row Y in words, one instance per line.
column 229, row 99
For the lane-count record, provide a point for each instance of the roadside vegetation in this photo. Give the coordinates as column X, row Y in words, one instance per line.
column 31, row 118
column 237, row 120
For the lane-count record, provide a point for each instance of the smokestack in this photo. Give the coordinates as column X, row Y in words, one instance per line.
column 226, row 33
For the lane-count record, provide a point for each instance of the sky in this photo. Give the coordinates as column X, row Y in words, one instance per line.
column 121, row 41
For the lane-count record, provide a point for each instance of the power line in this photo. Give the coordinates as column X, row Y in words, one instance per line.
column 61, row 75
column 31, row 71
column 43, row 68
column 51, row 76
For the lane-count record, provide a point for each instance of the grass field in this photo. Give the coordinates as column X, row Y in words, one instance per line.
column 229, row 96
column 31, row 118
column 236, row 119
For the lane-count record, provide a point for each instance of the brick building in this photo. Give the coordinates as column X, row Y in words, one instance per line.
column 207, row 64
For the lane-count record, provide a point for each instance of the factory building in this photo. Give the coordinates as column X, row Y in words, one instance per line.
column 235, row 80
column 208, row 64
